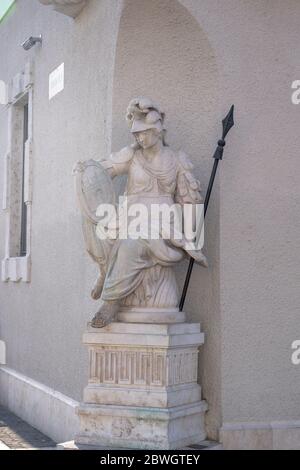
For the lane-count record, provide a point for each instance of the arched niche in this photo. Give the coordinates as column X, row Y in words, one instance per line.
column 162, row 52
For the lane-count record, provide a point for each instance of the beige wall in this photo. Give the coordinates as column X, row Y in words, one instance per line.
column 196, row 57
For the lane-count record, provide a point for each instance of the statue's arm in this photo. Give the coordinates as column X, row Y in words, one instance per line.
column 188, row 191
column 118, row 163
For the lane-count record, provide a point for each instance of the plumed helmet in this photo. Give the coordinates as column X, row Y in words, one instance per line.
column 143, row 114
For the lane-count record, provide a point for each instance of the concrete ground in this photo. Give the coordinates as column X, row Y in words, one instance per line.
column 16, row 434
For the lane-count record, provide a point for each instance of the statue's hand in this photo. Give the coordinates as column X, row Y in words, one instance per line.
column 199, row 257
column 107, row 165
column 78, row 168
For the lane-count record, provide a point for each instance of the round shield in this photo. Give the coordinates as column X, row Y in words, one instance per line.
column 94, row 187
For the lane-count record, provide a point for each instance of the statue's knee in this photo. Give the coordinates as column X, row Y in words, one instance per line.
column 129, row 249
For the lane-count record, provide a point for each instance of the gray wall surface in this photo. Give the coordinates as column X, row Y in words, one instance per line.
column 195, row 57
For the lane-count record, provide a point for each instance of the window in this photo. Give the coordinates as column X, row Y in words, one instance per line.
column 17, row 184
column 18, row 207
column 23, row 240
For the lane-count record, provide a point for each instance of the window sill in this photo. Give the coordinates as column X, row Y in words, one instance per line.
column 16, row 269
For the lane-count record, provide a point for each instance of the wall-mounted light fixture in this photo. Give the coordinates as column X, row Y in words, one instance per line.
column 32, row 41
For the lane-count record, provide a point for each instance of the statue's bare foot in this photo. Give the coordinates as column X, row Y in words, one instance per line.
column 199, row 257
column 105, row 315
column 97, row 287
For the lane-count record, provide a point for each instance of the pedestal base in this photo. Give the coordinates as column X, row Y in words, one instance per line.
column 142, row 428
column 151, row 315
column 142, row 391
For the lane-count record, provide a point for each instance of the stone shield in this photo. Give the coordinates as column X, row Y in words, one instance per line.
column 93, row 187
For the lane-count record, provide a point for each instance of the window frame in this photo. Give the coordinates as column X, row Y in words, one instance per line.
column 20, row 90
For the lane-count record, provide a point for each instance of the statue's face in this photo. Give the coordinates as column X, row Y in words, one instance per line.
column 147, row 139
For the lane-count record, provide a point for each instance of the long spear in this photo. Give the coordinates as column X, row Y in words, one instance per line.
column 218, row 155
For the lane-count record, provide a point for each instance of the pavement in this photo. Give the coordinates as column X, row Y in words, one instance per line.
column 16, row 434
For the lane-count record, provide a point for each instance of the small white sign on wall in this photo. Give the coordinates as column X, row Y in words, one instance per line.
column 56, row 81
column 3, row 92
column 2, row 352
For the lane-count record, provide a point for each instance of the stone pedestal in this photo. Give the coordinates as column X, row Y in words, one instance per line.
column 142, row 390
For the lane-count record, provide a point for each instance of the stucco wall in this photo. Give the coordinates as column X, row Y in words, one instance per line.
column 241, row 52
column 42, row 322
column 256, row 52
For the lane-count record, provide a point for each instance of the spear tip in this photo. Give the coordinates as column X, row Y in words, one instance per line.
column 228, row 122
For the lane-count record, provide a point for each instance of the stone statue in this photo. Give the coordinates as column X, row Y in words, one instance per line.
column 137, row 271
